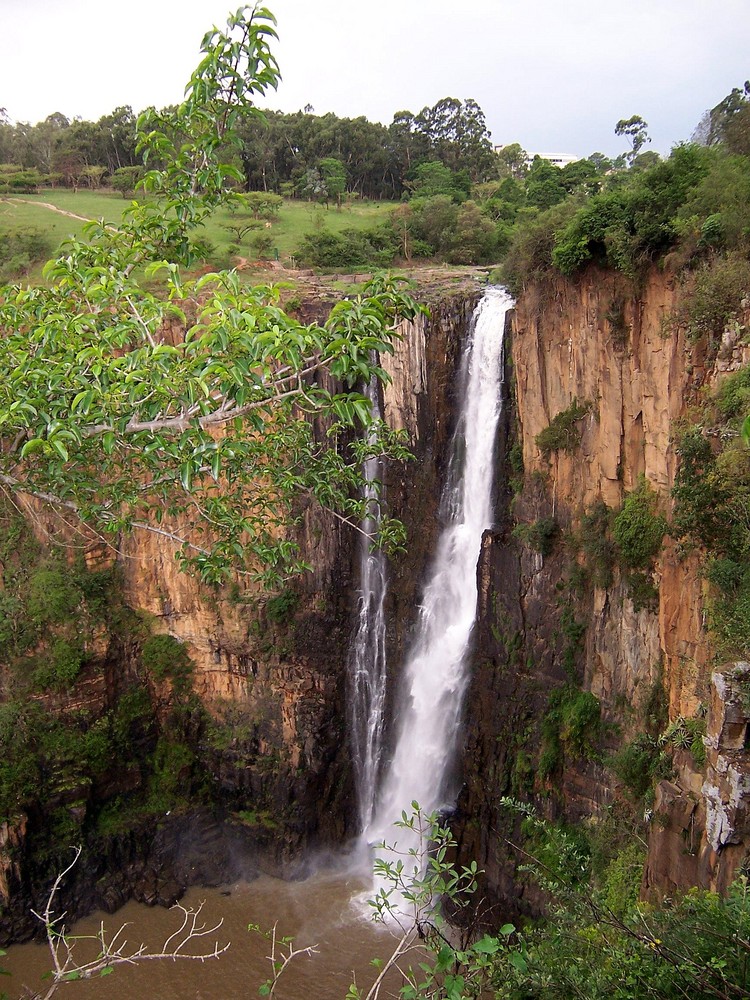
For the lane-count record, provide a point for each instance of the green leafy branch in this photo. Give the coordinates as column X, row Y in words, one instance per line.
column 202, row 413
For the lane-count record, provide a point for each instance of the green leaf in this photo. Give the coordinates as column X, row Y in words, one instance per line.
column 186, row 475
column 34, row 444
column 518, row 962
column 445, row 958
column 60, row 448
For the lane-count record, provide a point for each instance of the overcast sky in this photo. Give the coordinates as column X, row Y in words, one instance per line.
column 554, row 75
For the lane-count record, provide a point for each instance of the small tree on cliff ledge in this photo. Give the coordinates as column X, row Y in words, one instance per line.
column 213, row 438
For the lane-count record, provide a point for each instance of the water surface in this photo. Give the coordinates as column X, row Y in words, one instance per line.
column 318, row 911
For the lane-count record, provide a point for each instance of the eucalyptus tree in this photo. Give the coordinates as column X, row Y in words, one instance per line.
column 218, row 435
column 635, row 130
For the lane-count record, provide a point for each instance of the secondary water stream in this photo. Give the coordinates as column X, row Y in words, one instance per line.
column 367, row 657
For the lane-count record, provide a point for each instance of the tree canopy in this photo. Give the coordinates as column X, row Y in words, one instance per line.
column 196, row 409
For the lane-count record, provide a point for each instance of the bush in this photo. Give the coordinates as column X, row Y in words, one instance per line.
column 638, row 528
column 433, row 221
column 169, row 784
column 563, row 433
column 20, row 249
column 529, row 256
column 165, row 657
column 51, row 598
column 733, row 393
column 126, row 180
column 262, row 204
column 282, row 606
column 629, row 227
column 642, row 590
column 585, row 237
column 725, row 574
column 729, row 617
column 639, row 763
column 262, row 243
column 712, row 508
column 720, row 285
column 349, row 249
column 15, row 179
column 716, row 212
column 474, row 237
column 60, row 667
column 597, row 546
column 539, row 535
column 571, row 726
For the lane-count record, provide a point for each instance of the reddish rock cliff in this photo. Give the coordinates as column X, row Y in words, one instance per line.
column 614, row 351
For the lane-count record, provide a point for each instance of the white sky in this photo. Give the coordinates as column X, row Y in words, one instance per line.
column 554, row 75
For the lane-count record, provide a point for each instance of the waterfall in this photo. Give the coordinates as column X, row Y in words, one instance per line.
column 367, row 660
column 435, row 675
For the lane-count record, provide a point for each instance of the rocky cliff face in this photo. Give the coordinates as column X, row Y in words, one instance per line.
column 285, row 668
column 270, row 672
column 608, row 355
column 273, row 672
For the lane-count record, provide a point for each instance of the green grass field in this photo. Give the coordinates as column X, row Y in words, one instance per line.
column 296, row 218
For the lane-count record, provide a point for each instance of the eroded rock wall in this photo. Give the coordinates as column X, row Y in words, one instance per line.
column 612, row 349
column 276, row 669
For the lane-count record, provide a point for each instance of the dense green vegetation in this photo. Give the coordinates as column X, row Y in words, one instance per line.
column 712, row 508
column 564, row 432
column 461, row 202
column 598, row 940
column 54, row 614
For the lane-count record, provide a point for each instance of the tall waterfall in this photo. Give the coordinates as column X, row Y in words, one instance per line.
column 435, row 675
column 367, row 659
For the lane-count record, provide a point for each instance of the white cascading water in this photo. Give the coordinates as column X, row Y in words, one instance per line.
column 367, row 659
column 435, row 676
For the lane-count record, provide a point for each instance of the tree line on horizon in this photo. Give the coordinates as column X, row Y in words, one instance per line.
column 461, row 200
column 280, row 151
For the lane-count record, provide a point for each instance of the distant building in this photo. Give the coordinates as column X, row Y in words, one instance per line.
column 558, row 159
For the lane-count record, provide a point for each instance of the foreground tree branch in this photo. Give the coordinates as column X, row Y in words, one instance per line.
column 115, row 950
column 116, row 402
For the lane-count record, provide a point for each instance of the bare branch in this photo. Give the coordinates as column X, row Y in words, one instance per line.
column 116, row 950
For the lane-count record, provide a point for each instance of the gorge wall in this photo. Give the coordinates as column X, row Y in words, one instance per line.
column 610, row 358
column 265, row 718
column 254, row 748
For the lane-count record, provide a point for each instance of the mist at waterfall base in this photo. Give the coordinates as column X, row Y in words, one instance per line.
column 435, row 675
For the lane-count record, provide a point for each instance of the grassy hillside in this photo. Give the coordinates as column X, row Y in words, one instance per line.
column 296, row 218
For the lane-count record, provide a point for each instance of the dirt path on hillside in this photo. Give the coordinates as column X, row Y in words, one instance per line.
column 52, row 208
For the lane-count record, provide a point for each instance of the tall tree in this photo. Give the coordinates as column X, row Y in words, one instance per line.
column 117, row 140
column 635, row 129
column 333, row 173
column 457, row 134
column 513, row 161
